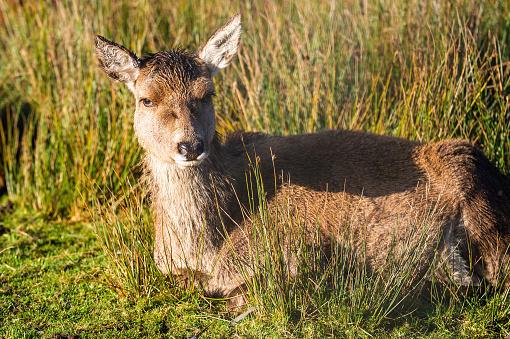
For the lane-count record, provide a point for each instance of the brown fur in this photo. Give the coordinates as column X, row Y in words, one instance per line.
column 381, row 185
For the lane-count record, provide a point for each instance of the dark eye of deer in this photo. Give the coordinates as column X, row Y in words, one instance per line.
column 147, row 103
column 207, row 97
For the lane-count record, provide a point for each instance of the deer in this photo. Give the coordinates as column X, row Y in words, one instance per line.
column 199, row 193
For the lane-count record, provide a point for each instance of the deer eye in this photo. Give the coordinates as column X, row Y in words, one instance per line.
column 147, row 103
column 207, row 97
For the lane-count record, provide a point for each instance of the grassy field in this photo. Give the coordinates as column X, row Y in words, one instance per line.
column 75, row 228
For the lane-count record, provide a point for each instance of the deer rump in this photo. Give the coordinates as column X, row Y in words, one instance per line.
column 384, row 191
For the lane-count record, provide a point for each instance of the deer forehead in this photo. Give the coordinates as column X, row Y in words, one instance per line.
column 172, row 74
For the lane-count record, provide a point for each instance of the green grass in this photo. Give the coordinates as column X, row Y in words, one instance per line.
column 420, row 70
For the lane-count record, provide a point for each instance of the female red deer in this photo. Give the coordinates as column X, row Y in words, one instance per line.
column 199, row 190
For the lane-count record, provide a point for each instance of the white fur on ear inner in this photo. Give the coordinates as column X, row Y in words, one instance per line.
column 222, row 46
column 117, row 61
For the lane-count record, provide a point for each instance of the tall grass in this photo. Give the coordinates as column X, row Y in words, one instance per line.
column 124, row 228
column 291, row 274
column 425, row 71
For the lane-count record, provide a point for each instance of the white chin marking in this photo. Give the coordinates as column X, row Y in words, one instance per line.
column 191, row 163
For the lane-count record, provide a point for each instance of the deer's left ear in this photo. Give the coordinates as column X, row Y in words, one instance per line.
column 222, row 46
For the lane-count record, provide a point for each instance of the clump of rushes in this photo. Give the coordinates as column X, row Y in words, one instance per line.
column 329, row 279
column 123, row 226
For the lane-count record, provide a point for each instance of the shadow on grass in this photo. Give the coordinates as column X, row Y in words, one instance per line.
column 14, row 119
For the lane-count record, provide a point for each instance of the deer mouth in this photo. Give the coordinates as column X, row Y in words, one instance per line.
column 183, row 162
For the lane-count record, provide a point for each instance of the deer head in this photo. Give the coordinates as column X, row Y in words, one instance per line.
column 174, row 118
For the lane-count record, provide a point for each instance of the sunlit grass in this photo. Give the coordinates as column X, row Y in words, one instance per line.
column 425, row 71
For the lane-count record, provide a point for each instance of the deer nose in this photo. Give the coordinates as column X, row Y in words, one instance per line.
column 189, row 150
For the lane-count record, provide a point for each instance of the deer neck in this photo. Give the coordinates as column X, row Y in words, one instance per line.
column 186, row 201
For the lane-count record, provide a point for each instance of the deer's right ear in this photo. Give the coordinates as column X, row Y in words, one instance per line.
column 117, row 62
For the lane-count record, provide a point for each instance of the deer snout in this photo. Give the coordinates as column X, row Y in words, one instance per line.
column 191, row 151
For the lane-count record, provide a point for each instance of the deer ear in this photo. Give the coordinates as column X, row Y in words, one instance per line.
column 117, row 62
column 222, row 46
